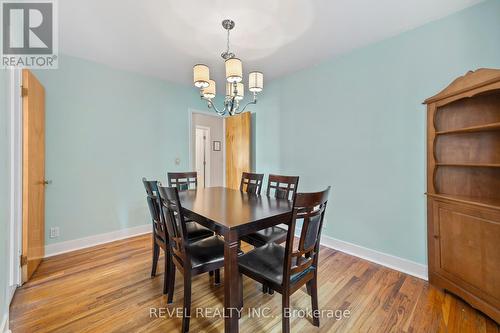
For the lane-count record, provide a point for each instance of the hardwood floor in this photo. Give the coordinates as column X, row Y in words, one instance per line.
column 108, row 288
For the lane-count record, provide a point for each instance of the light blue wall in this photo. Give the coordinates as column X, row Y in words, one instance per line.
column 266, row 130
column 105, row 129
column 356, row 122
column 4, row 193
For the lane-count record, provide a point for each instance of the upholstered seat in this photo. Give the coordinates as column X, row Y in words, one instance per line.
column 269, row 235
column 206, row 251
column 267, row 262
column 196, row 231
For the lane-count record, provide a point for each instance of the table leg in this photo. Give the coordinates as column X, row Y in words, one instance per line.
column 231, row 283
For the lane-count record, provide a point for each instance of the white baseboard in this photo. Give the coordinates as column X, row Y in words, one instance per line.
column 11, row 291
column 384, row 259
column 4, row 325
column 82, row 243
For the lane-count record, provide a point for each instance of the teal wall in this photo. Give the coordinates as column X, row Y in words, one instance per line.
column 356, row 122
column 105, row 130
column 266, row 132
column 4, row 193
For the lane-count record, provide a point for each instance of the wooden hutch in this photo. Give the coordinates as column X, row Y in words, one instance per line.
column 463, row 189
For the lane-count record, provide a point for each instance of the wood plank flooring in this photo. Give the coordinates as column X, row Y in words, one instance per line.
column 108, row 288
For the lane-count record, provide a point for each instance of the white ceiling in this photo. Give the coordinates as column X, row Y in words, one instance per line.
column 164, row 38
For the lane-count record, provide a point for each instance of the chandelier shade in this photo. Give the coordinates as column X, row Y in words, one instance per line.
column 201, row 76
column 255, row 81
column 234, row 70
column 209, row 92
column 240, row 90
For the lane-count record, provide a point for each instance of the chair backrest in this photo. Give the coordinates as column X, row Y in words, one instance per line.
column 183, row 180
column 282, row 187
column 309, row 207
column 251, row 182
column 153, row 200
column 175, row 224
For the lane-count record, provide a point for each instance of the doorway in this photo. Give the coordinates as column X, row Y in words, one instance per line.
column 202, row 155
column 206, row 148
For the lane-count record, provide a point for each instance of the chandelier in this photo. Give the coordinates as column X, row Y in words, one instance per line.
column 234, row 85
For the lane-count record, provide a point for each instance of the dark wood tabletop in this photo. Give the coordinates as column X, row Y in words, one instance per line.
column 228, row 209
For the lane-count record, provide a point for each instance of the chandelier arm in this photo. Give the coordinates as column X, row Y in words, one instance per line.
column 254, row 101
column 212, row 105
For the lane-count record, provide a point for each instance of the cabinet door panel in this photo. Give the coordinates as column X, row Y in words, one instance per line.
column 469, row 248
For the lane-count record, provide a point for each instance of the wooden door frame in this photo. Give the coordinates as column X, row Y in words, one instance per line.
column 14, row 226
column 191, row 163
column 208, row 157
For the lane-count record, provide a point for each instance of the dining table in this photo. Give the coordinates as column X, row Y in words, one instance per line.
column 232, row 213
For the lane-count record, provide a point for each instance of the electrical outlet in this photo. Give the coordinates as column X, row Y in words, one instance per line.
column 54, row 232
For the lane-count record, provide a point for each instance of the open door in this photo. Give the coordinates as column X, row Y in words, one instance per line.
column 33, row 247
column 238, row 132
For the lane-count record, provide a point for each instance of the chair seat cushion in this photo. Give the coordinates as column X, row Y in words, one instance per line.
column 208, row 250
column 269, row 235
column 267, row 262
column 196, row 231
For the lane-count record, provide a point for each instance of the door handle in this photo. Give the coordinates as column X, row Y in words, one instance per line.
column 46, row 182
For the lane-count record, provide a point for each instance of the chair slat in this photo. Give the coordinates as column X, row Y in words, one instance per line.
column 183, row 180
column 251, row 182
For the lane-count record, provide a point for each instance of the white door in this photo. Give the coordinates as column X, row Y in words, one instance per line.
column 202, row 155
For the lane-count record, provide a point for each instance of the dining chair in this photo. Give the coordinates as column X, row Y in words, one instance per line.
column 251, row 182
column 183, row 180
column 285, row 269
column 160, row 238
column 280, row 187
column 159, row 230
column 190, row 258
column 186, row 181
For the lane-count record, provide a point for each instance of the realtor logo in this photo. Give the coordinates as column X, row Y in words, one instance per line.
column 29, row 38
